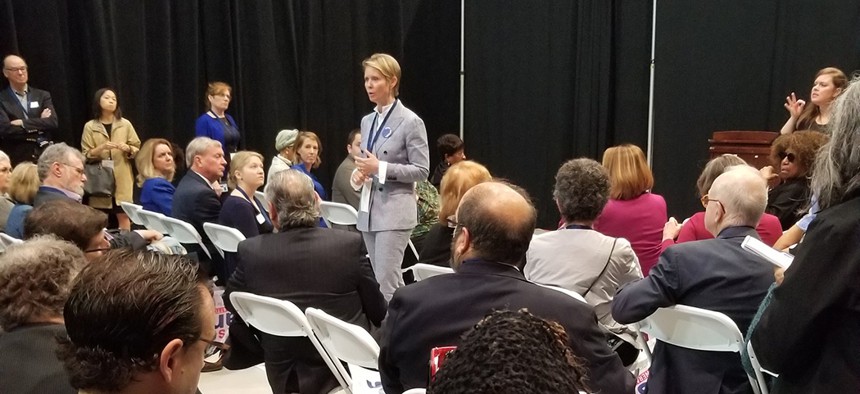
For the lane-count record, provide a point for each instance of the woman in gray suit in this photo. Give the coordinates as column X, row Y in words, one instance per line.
column 394, row 156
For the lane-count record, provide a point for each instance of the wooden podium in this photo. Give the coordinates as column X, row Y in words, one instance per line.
column 752, row 146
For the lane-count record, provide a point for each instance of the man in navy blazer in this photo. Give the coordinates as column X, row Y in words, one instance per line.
column 714, row 274
column 494, row 230
column 197, row 198
column 26, row 114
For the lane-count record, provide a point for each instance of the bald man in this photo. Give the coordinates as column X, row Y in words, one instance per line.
column 27, row 114
column 714, row 274
column 495, row 226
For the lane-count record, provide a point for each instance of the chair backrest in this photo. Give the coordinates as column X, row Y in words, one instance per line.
column 570, row 293
column 262, row 197
column 225, row 239
column 345, row 341
column 131, row 210
column 279, row 318
column 759, row 375
column 184, row 233
column 153, row 221
column 423, row 271
column 338, row 213
column 694, row 328
column 415, row 391
column 7, row 240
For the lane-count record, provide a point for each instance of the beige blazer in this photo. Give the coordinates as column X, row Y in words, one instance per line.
column 122, row 132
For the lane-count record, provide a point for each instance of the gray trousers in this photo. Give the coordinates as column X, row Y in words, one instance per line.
column 386, row 254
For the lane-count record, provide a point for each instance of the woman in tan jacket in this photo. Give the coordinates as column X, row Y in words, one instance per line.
column 111, row 138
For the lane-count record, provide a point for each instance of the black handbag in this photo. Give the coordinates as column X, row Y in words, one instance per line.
column 100, row 180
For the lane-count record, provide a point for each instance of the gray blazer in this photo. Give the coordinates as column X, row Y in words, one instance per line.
column 403, row 145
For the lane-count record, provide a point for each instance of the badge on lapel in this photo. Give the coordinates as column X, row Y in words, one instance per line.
column 386, row 132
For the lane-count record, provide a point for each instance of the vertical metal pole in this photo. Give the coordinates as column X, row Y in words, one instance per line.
column 462, row 63
column 651, row 88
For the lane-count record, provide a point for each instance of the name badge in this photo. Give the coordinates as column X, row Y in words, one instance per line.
column 34, row 104
column 224, row 188
column 260, row 218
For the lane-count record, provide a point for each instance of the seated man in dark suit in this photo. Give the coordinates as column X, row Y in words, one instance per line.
column 494, row 230
column 310, row 267
column 197, row 198
column 27, row 114
column 714, row 274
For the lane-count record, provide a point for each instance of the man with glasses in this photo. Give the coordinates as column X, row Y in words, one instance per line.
column 26, row 114
column 493, row 227
column 138, row 322
column 714, row 274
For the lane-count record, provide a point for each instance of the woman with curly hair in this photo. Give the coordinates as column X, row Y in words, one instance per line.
column 793, row 154
column 512, row 352
column 35, row 280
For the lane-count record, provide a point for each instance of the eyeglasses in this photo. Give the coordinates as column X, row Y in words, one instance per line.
column 705, row 200
column 16, row 69
column 455, row 225
column 79, row 170
column 789, row 156
column 94, row 250
column 213, row 347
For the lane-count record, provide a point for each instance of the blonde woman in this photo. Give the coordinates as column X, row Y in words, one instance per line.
column 23, row 185
column 156, row 167
column 110, row 138
column 241, row 209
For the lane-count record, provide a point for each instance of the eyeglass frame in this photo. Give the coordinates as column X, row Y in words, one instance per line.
column 791, row 156
column 16, row 69
column 79, row 170
column 213, row 347
column 706, row 199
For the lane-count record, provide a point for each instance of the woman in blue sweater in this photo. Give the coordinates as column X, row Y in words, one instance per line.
column 155, row 168
column 216, row 123
column 241, row 209
column 308, row 149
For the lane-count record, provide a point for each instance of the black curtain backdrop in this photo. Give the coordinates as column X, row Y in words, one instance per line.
column 546, row 80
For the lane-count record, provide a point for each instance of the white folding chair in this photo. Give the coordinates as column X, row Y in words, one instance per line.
column 696, row 328
column 184, row 233
column 345, row 215
column 131, row 210
column 415, row 391
column 262, row 197
column 153, row 221
column 280, row 318
column 570, row 293
column 225, row 239
column 759, row 371
column 423, row 271
column 7, row 240
column 345, row 342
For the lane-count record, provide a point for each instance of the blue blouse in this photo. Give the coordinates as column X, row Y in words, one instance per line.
column 156, row 195
column 318, row 187
column 207, row 126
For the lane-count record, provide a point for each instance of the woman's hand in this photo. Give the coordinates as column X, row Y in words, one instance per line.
column 768, row 173
column 779, row 275
column 671, row 229
column 794, row 106
column 103, row 147
column 368, row 166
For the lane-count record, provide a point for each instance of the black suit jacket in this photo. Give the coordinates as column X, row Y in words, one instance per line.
column 714, row 274
column 28, row 361
column 310, row 267
column 195, row 202
column 810, row 332
column 25, row 143
column 439, row 310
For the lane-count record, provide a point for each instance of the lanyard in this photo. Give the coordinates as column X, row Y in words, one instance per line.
column 17, row 100
column 254, row 202
column 375, row 136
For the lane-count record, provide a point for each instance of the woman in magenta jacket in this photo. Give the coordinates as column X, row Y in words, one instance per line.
column 633, row 212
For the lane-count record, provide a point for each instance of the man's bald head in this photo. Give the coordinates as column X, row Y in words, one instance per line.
column 500, row 221
column 12, row 59
column 743, row 193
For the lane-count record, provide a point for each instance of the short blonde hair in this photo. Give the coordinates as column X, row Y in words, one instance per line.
column 457, row 181
column 300, row 140
column 387, row 66
column 145, row 156
column 24, row 183
column 628, row 171
column 237, row 163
